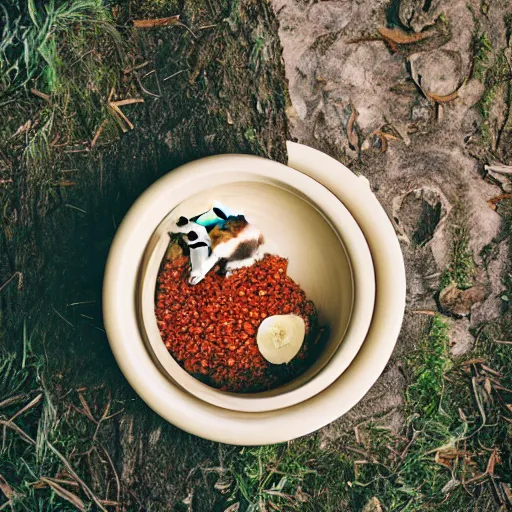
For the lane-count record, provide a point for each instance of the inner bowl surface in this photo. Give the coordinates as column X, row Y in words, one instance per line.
column 328, row 257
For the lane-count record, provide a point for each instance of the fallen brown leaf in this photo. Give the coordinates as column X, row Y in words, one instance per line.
column 491, row 464
column 396, row 36
column 459, row 302
column 443, row 99
column 373, row 505
column 487, row 386
column 351, row 133
column 6, row 488
column 492, row 202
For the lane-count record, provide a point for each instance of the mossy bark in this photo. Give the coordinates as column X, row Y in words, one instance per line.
column 226, row 94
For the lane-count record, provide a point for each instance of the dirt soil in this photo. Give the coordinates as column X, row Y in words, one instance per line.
column 422, row 156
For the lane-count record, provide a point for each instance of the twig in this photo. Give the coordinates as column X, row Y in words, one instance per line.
column 27, row 407
column 130, row 101
column 19, row 275
column 145, row 90
column 22, row 433
column 175, row 74
column 98, row 132
column 135, row 68
column 71, row 471
column 501, row 169
column 156, row 22
column 12, row 400
column 188, row 29
column 65, row 319
column 116, row 476
column 64, row 493
column 120, row 115
column 406, row 449
column 87, row 409
column 503, row 342
column 74, row 208
column 428, row 312
column 40, row 94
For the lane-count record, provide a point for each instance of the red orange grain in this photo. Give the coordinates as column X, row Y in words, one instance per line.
column 210, row 328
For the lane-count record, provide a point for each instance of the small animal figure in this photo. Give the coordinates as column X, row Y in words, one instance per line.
column 215, row 216
column 235, row 244
column 197, row 239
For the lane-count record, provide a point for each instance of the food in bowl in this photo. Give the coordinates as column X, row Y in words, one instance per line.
column 249, row 330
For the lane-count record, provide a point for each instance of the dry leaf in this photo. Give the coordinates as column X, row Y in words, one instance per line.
column 351, row 133
column 487, row 386
column 233, row 508
column 443, row 99
column 398, row 36
column 6, row 488
column 373, row 505
column 459, row 302
column 65, row 494
column 491, row 464
column 492, row 202
column 446, row 456
column 157, row 22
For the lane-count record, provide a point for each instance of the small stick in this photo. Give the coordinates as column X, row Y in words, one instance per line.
column 40, row 94
column 71, row 471
column 11, row 400
column 428, row 312
column 27, row 407
column 175, row 74
column 19, row 275
column 98, row 133
column 135, row 68
column 503, row 342
column 501, row 169
column 120, row 103
column 157, row 22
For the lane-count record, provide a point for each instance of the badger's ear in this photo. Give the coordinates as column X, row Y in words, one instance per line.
column 182, row 221
column 192, row 235
column 219, row 213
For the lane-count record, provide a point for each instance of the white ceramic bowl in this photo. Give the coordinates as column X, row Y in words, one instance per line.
column 234, row 427
column 302, row 221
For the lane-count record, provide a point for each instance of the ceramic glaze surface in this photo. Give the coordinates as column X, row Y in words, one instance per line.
column 196, row 416
column 300, row 221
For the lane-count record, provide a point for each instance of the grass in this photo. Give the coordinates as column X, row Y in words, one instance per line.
column 53, row 60
column 493, row 69
column 461, row 269
column 47, row 446
column 482, row 49
column 439, row 461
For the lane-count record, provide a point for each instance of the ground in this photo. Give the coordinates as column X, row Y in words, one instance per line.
column 414, row 95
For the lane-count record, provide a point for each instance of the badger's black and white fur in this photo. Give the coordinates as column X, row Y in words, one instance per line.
column 234, row 243
column 197, row 239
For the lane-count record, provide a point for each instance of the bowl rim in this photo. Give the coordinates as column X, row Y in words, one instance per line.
column 231, row 427
column 352, row 242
